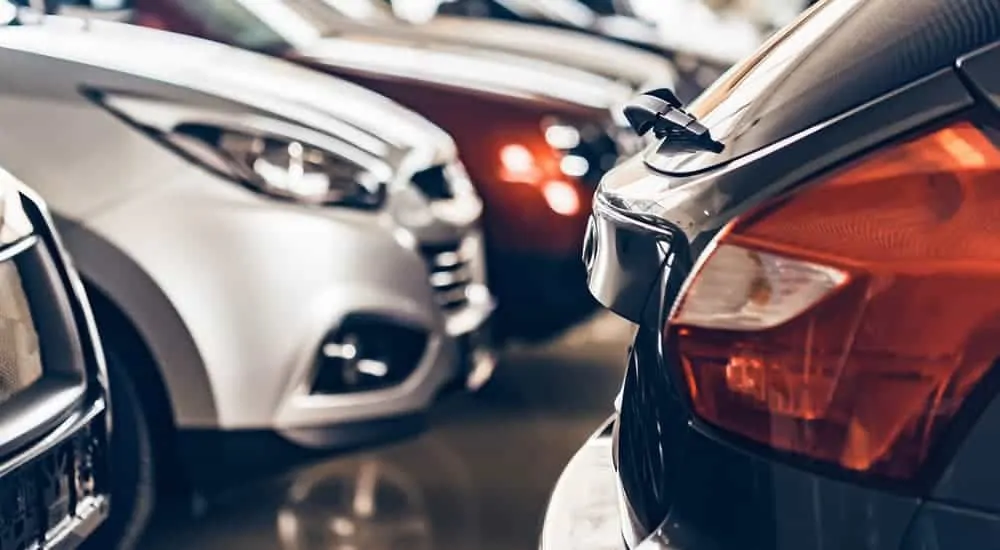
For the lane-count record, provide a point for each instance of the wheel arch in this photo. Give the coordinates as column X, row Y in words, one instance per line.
column 133, row 312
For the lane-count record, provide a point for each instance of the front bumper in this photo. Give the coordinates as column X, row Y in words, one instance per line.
column 258, row 286
column 54, row 494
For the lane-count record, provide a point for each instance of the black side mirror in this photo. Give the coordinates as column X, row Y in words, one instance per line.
column 661, row 111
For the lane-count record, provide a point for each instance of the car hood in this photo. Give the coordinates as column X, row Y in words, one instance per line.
column 631, row 66
column 229, row 75
column 418, row 56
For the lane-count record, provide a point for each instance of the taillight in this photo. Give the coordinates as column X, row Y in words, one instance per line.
column 847, row 322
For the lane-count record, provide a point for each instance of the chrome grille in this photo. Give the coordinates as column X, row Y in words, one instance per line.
column 450, row 274
column 20, row 356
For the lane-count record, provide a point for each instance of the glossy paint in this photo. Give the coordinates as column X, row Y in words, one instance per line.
column 685, row 484
column 233, row 291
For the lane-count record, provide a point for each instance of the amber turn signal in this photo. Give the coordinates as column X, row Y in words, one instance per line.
column 849, row 321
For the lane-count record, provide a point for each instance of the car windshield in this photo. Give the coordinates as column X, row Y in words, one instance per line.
column 270, row 24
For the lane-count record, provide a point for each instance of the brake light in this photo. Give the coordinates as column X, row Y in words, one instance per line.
column 848, row 322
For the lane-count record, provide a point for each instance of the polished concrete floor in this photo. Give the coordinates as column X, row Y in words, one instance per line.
column 479, row 480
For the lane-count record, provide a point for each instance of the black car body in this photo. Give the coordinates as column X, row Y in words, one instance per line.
column 814, row 364
column 54, row 409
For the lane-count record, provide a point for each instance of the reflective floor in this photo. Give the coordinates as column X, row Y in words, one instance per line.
column 478, row 481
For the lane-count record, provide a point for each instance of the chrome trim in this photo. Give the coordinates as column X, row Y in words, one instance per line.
column 70, row 426
column 622, row 282
column 14, row 222
column 73, row 530
column 461, row 275
column 12, row 250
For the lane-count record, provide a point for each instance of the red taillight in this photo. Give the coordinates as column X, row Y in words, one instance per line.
column 849, row 321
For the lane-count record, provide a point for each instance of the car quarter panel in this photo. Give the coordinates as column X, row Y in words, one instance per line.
column 721, row 491
column 972, row 478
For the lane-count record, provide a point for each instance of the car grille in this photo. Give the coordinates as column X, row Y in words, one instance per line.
column 20, row 358
column 36, row 497
column 450, row 274
column 651, row 418
column 434, row 183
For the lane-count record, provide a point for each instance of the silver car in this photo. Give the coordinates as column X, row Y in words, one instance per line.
column 272, row 253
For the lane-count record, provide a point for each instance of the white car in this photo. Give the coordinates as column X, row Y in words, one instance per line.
column 272, row 254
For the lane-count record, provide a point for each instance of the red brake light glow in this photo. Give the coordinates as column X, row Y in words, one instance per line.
column 849, row 321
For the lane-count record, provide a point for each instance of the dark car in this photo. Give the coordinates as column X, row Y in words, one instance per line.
column 536, row 136
column 54, row 409
column 812, row 256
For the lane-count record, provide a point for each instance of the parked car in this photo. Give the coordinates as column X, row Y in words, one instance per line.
column 699, row 56
column 632, row 67
column 54, row 402
column 280, row 261
column 813, row 265
column 536, row 137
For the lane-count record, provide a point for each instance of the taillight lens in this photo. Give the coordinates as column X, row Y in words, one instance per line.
column 849, row 321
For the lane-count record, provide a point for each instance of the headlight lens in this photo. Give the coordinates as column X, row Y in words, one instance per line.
column 273, row 157
column 280, row 166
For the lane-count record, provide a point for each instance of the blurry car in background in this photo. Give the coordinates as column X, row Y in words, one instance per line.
column 54, row 410
column 814, row 265
column 700, row 55
column 280, row 261
column 536, row 136
column 632, row 67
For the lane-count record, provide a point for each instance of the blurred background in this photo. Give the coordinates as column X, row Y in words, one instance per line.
column 530, row 90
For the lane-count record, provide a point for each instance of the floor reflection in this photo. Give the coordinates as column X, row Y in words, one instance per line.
column 478, row 481
column 380, row 501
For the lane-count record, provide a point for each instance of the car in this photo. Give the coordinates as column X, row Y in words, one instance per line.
column 810, row 257
column 282, row 264
column 535, row 136
column 55, row 416
column 697, row 56
column 638, row 69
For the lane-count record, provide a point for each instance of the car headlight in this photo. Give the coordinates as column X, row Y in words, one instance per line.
column 270, row 156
